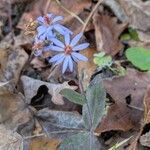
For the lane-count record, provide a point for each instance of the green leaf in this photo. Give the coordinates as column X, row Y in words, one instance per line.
column 125, row 37
column 81, row 141
column 73, row 96
column 102, row 60
column 139, row 57
column 94, row 109
column 133, row 34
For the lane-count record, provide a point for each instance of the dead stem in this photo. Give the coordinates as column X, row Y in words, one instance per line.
column 69, row 12
column 47, row 6
column 91, row 14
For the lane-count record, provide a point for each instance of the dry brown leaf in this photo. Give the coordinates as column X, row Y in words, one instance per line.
column 138, row 16
column 10, row 140
column 12, row 60
column 37, row 63
column 75, row 6
column 31, row 86
column 145, row 139
column 138, row 13
column 86, row 69
column 120, row 116
column 13, row 111
column 107, row 32
column 147, row 107
column 44, row 144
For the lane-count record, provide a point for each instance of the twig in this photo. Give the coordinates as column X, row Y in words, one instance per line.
column 33, row 136
column 134, row 107
column 69, row 12
column 91, row 14
column 10, row 20
column 47, row 6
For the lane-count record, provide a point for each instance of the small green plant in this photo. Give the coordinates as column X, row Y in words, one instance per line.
column 102, row 60
column 131, row 35
column 93, row 102
column 139, row 57
column 105, row 61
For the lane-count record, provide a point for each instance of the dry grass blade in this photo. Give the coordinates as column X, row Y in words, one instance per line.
column 71, row 13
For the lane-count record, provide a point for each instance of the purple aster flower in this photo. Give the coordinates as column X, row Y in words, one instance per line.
column 48, row 23
column 68, row 51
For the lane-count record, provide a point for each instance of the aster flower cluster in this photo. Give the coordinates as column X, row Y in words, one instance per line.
column 47, row 39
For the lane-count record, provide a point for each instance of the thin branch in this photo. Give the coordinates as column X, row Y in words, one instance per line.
column 69, row 12
column 91, row 14
column 47, row 6
column 33, row 136
column 134, row 107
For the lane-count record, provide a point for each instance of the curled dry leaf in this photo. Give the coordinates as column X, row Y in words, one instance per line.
column 145, row 139
column 120, row 116
column 107, row 32
column 31, row 87
column 10, row 140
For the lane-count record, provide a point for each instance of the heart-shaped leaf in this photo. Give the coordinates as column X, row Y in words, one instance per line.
column 139, row 57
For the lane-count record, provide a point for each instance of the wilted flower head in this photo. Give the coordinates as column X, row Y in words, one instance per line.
column 48, row 23
column 39, row 47
column 68, row 51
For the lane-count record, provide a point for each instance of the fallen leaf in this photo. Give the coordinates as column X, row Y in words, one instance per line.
column 81, row 141
column 13, row 111
column 145, row 139
column 10, row 140
column 147, row 107
column 86, row 69
column 138, row 13
column 120, row 116
column 12, row 62
column 44, row 144
column 138, row 16
column 107, row 32
column 37, row 63
column 35, row 10
column 31, row 87
column 60, row 124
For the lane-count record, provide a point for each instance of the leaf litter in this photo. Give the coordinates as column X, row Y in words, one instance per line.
column 90, row 108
